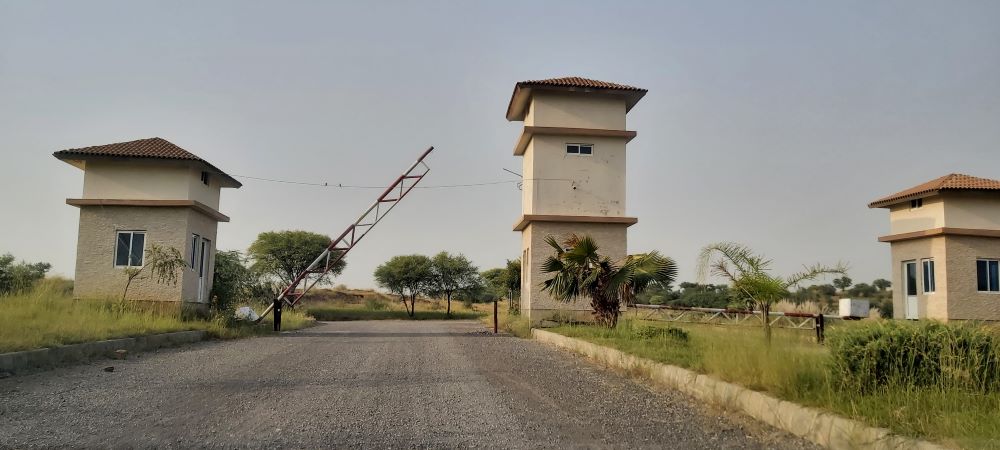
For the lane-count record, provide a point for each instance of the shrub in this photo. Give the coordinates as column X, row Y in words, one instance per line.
column 648, row 332
column 375, row 304
column 871, row 356
column 467, row 302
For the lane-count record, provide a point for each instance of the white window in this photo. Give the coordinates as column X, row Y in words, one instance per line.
column 929, row 284
column 130, row 248
column 988, row 275
column 194, row 250
column 580, row 149
column 914, row 204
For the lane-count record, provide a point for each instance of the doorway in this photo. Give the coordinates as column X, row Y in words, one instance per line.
column 203, row 261
column 910, row 289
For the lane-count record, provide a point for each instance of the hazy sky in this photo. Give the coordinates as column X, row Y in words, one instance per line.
column 768, row 123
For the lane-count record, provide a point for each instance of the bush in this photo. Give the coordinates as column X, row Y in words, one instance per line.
column 930, row 354
column 648, row 332
column 20, row 277
column 375, row 304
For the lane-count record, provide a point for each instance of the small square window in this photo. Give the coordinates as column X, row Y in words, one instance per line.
column 586, row 149
column 204, row 178
column 573, row 149
column 914, row 204
column 130, row 248
column 579, row 149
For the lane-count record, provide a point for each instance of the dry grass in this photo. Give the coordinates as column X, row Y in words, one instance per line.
column 341, row 305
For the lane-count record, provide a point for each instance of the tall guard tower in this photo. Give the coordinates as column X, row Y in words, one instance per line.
column 573, row 144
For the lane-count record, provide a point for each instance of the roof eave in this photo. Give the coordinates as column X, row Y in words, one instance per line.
column 517, row 108
column 77, row 160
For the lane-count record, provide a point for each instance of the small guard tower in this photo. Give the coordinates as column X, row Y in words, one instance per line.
column 144, row 192
column 573, row 149
column 945, row 238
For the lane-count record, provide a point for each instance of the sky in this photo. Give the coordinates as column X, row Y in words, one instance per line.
column 770, row 123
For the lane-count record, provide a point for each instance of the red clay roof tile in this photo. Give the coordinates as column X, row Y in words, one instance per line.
column 950, row 182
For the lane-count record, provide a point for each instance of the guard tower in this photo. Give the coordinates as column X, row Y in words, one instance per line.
column 945, row 238
column 573, row 149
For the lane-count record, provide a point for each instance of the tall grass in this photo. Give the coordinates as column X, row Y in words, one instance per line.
column 47, row 316
column 797, row 369
column 381, row 309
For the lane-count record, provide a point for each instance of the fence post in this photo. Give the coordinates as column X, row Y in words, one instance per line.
column 820, row 328
column 495, row 321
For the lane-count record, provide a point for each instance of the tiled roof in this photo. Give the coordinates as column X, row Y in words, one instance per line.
column 580, row 83
column 152, row 148
column 952, row 182
column 519, row 100
column 142, row 148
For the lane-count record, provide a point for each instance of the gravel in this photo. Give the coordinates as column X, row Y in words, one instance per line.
column 386, row 384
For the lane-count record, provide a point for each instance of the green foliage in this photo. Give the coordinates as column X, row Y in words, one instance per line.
column 234, row 282
column 285, row 254
column 893, row 353
column 580, row 271
column 452, row 274
column 19, row 277
column 406, row 276
column 843, row 283
column 882, row 284
column 161, row 263
column 668, row 332
column 376, row 304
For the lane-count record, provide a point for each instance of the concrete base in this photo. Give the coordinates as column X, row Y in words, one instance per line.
column 47, row 358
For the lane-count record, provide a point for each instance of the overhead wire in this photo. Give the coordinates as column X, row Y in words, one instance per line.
column 351, row 186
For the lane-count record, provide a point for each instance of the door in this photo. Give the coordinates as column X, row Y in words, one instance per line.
column 910, row 289
column 203, row 261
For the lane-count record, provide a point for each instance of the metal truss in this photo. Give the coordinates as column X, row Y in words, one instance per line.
column 343, row 244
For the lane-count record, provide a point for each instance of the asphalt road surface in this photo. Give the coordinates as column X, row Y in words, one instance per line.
column 385, row 384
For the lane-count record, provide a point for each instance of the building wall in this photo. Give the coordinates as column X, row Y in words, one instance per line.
column 931, row 305
column 560, row 109
column 557, row 183
column 205, row 228
column 148, row 180
column 538, row 305
column 96, row 275
column 931, row 215
column 975, row 210
column 964, row 300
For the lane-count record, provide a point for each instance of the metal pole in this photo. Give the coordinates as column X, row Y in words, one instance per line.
column 277, row 314
column 820, row 328
column 496, row 323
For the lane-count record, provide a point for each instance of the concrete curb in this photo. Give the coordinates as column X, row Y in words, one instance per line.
column 823, row 428
column 47, row 358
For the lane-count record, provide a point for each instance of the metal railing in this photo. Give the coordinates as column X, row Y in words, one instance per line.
column 735, row 317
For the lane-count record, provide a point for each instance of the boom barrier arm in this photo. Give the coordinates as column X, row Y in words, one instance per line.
column 343, row 244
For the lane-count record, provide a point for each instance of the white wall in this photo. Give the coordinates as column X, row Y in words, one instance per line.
column 550, row 109
column 148, row 180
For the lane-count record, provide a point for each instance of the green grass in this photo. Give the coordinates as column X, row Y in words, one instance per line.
column 49, row 317
column 797, row 369
column 514, row 324
column 381, row 309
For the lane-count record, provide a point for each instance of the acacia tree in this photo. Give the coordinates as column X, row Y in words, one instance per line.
column 406, row 276
column 161, row 262
column 285, row 254
column 580, row 271
column 750, row 280
column 882, row 284
column 843, row 283
column 451, row 274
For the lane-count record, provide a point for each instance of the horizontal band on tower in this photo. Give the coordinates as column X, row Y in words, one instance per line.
column 195, row 205
column 943, row 231
column 528, row 218
column 530, row 131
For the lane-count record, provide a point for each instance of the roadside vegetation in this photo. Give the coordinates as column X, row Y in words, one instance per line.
column 342, row 304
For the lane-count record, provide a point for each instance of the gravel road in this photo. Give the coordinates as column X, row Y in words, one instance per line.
column 384, row 384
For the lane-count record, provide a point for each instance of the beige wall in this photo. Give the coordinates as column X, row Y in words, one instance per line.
column 930, row 305
column 205, row 228
column 975, row 210
column 537, row 305
column 560, row 184
column 931, row 215
column 557, row 109
column 964, row 300
column 96, row 275
column 148, row 180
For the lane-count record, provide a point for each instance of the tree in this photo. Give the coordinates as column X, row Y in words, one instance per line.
column 285, row 254
column 18, row 277
column 406, row 276
column 749, row 277
column 234, row 281
column 451, row 274
column 843, row 283
column 163, row 263
column 512, row 282
column 882, row 284
column 494, row 280
column 580, row 271
column 862, row 290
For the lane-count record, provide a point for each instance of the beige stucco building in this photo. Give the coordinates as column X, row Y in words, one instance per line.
column 573, row 149
column 945, row 238
column 140, row 193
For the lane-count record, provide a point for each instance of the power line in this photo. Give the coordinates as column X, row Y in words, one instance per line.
column 351, row 186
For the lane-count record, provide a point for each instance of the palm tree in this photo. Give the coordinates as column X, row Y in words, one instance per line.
column 580, row 271
column 747, row 273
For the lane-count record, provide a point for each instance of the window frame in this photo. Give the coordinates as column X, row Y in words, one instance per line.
column 195, row 239
column 579, row 149
column 131, row 242
column 927, row 269
column 992, row 285
column 917, row 203
column 204, row 178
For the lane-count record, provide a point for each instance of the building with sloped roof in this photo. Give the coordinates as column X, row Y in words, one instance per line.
column 945, row 238
column 140, row 193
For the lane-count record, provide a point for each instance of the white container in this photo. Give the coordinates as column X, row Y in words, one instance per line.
column 857, row 308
